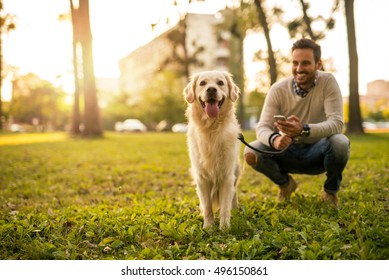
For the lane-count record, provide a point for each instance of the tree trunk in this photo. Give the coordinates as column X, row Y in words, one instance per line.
column 307, row 21
column 76, row 118
column 355, row 120
column 92, row 122
column 1, row 110
column 237, row 70
column 1, row 83
column 265, row 26
column 185, row 48
column 1, row 74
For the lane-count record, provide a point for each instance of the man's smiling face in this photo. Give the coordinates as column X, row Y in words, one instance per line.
column 304, row 67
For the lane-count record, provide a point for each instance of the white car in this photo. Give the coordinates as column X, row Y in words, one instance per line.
column 16, row 128
column 180, row 127
column 130, row 125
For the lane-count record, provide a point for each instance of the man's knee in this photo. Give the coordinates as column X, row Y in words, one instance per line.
column 250, row 158
column 340, row 140
column 340, row 144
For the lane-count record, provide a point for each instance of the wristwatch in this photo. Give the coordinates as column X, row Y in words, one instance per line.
column 306, row 131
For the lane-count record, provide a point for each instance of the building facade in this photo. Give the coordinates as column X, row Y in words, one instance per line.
column 139, row 67
column 377, row 94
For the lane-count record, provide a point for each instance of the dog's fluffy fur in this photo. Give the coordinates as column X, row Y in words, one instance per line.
column 212, row 141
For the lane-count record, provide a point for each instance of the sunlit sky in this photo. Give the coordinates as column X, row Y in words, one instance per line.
column 43, row 45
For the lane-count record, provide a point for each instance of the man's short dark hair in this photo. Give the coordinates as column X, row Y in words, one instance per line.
column 305, row 43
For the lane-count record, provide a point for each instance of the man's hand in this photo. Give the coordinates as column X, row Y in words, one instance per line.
column 291, row 127
column 281, row 142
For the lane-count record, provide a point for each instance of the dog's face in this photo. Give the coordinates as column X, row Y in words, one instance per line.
column 211, row 89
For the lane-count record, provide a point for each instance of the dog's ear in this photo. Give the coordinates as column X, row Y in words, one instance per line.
column 233, row 89
column 190, row 89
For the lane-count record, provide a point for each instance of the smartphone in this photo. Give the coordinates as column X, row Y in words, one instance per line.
column 279, row 118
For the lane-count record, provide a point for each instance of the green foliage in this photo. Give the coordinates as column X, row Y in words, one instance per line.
column 380, row 112
column 161, row 100
column 7, row 21
column 130, row 196
column 117, row 110
column 34, row 98
column 303, row 26
column 254, row 103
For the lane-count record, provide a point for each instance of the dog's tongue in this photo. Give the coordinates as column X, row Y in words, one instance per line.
column 212, row 109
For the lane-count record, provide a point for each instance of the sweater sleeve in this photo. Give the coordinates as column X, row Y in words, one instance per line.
column 333, row 110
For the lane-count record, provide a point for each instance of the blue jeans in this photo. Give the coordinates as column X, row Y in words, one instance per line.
column 328, row 155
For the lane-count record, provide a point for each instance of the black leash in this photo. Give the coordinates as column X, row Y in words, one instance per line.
column 241, row 138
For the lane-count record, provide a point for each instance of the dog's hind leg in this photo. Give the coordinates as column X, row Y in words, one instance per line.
column 235, row 202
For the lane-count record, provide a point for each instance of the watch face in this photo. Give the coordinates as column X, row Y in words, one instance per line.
column 306, row 130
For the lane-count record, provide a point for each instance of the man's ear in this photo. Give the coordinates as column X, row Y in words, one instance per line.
column 233, row 89
column 190, row 89
column 319, row 65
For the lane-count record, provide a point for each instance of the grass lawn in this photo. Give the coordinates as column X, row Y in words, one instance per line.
column 130, row 196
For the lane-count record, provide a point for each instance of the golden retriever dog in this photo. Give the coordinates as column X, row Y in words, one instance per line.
column 213, row 145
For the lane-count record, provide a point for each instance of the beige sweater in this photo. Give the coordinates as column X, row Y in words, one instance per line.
column 322, row 108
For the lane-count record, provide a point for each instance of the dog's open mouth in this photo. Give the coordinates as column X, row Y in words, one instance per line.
column 212, row 106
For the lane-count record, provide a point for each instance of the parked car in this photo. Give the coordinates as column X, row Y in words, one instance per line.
column 180, row 127
column 16, row 128
column 130, row 125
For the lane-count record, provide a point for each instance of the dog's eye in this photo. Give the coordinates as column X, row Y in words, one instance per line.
column 220, row 83
column 203, row 83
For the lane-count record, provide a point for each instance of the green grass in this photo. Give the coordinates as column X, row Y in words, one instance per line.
column 130, row 196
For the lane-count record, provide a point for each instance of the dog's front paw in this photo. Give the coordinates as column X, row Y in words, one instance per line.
column 208, row 222
column 224, row 224
column 207, row 225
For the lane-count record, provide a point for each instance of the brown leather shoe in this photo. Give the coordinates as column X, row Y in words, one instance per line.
column 250, row 158
column 286, row 191
column 329, row 198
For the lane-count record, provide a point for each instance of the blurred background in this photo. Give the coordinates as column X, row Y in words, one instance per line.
column 90, row 66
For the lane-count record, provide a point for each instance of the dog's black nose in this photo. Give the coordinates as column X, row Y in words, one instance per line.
column 211, row 90
column 211, row 93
